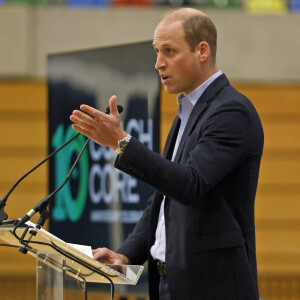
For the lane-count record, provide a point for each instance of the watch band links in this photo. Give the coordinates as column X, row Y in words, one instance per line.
column 122, row 144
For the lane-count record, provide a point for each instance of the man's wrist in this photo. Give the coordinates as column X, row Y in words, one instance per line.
column 122, row 143
column 124, row 258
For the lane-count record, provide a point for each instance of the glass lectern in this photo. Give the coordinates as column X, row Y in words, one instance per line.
column 61, row 270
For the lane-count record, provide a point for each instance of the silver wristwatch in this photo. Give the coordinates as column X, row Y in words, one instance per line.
column 122, row 144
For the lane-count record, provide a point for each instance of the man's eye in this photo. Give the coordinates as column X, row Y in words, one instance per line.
column 169, row 50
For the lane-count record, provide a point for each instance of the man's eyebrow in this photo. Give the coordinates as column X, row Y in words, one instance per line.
column 162, row 46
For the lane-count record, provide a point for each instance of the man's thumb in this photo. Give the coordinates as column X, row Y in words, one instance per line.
column 113, row 105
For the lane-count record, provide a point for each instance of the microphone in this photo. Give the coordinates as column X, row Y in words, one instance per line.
column 3, row 200
column 3, row 215
column 119, row 107
column 42, row 205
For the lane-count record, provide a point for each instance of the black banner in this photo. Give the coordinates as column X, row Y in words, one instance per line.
column 100, row 205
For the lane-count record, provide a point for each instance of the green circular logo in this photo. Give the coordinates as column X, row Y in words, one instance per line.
column 68, row 206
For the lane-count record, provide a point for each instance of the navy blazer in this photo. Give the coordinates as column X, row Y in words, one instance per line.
column 210, row 190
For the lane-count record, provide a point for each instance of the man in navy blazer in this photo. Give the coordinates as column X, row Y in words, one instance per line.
column 197, row 231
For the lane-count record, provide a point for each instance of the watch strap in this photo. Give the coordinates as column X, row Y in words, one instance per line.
column 122, row 144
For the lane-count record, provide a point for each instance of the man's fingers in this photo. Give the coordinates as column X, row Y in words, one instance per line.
column 82, row 119
column 113, row 105
column 101, row 128
column 108, row 256
column 100, row 253
column 86, row 125
column 81, row 130
column 92, row 112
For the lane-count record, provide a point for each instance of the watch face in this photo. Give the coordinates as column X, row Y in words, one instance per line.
column 123, row 144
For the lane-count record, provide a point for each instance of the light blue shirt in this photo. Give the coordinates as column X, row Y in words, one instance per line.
column 186, row 105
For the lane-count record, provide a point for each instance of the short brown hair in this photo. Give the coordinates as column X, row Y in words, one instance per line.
column 197, row 28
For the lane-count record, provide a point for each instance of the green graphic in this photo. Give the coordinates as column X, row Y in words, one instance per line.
column 66, row 206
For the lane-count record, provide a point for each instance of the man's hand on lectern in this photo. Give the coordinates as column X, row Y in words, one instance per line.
column 110, row 257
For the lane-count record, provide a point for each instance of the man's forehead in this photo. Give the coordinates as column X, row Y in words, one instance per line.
column 166, row 41
column 169, row 22
column 167, row 32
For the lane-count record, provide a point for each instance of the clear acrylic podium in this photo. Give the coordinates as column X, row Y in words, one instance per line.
column 55, row 282
column 61, row 270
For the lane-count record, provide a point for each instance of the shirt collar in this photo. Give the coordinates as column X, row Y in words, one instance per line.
column 192, row 98
column 194, row 95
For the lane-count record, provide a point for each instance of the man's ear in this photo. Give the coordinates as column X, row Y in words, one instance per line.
column 203, row 50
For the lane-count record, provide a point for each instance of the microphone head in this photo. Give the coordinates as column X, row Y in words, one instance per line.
column 119, row 107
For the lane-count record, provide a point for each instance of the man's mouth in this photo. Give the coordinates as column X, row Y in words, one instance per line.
column 164, row 78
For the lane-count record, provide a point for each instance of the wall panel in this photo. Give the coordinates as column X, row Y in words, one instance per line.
column 23, row 141
column 277, row 202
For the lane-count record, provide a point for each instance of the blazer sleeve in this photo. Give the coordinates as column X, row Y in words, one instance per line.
column 210, row 153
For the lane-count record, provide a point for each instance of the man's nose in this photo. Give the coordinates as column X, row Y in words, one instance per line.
column 160, row 62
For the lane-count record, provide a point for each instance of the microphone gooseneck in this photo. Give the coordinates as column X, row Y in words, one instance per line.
column 3, row 215
column 42, row 205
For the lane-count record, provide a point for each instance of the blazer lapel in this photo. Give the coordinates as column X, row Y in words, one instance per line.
column 167, row 153
column 195, row 115
column 212, row 90
column 171, row 139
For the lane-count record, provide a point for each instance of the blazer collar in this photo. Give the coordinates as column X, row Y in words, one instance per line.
column 171, row 139
column 212, row 90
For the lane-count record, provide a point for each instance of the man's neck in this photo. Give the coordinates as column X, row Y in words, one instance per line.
column 209, row 71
